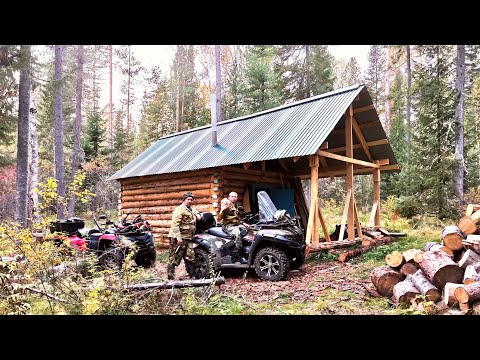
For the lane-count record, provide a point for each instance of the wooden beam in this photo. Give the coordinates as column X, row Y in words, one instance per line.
column 361, row 139
column 357, row 146
column 324, row 226
column 371, row 222
column 247, row 165
column 263, row 165
column 296, row 158
column 340, row 171
column 324, row 146
column 347, row 159
column 283, row 164
column 344, row 215
column 363, row 108
column 376, row 194
column 366, row 125
column 314, row 163
column 357, row 221
column 349, row 171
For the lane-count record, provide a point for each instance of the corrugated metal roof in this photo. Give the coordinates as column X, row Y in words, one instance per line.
column 290, row 130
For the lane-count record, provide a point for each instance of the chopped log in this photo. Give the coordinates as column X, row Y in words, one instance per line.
column 177, row 284
column 472, row 242
column 471, row 208
column 468, row 293
column 367, row 240
column 434, row 246
column 409, row 255
column 440, row 268
column 468, row 224
column 452, row 237
column 409, row 268
column 425, row 286
column 355, row 252
column 404, row 291
column 449, row 293
column 476, row 308
column 470, row 275
column 384, row 278
column 418, row 257
column 395, row 259
column 457, row 254
column 468, row 258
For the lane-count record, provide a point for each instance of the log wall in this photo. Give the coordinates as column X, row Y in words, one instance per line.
column 156, row 196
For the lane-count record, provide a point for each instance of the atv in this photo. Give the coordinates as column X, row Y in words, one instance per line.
column 273, row 245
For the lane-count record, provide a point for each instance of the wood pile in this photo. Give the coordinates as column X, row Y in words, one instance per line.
column 446, row 273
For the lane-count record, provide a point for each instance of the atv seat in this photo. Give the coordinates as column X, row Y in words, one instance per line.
column 218, row 231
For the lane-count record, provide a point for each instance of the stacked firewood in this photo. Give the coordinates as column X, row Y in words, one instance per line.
column 446, row 273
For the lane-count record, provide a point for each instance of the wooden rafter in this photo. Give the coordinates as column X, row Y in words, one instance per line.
column 363, row 108
column 361, row 139
column 362, row 126
column 349, row 171
column 347, row 159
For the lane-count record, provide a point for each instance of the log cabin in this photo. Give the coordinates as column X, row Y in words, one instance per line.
column 333, row 134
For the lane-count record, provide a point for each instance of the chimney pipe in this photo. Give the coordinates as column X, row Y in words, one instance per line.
column 213, row 114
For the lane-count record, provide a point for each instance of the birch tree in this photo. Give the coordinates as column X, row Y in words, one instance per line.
column 459, row 171
column 58, row 152
column 23, row 138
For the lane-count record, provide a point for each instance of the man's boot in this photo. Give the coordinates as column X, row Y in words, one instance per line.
column 170, row 271
column 237, row 257
column 190, row 267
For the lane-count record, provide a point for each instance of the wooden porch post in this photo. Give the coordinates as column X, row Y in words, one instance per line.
column 312, row 228
column 376, row 193
column 349, row 173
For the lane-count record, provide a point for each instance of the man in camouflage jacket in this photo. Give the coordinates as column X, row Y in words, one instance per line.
column 232, row 224
column 182, row 229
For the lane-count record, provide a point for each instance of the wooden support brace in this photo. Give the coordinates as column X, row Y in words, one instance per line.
column 344, row 216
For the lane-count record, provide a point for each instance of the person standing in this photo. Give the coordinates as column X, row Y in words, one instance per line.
column 182, row 230
column 232, row 224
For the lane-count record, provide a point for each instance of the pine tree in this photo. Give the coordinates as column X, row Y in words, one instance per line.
column 95, row 136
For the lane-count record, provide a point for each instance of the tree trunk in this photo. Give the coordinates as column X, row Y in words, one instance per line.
column 77, row 127
column 110, row 112
column 178, row 126
column 440, row 268
column 409, row 96
column 459, row 171
column 409, row 268
column 58, row 153
column 395, row 259
column 425, row 286
column 469, row 257
column 20, row 215
column 388, row 112
column 409, row 255
column 128, row 89
column 177, row 284
column 385, row 278
column 218, row 83
column 33, row 212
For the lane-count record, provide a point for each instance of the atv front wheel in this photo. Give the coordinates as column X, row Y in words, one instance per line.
column 203, row 264
column 271, row 264
column 112, row 258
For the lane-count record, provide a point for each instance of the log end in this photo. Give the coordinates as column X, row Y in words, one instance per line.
column 461, row 295
column 433, row 295
column 448, row 273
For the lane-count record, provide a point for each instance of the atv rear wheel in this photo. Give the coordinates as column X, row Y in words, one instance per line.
column 271, row 264
column 203, row 264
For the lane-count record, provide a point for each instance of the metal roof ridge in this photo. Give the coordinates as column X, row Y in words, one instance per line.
column 280, row 107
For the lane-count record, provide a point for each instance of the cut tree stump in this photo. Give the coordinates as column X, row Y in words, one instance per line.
column 469, row 257
column 395, row 259
column 409, row 268
column 440, row 268
column 452, row 237
column 468, row 293
column 425, row 286
column 404, row 291
column 384, row 278
column 448, row 294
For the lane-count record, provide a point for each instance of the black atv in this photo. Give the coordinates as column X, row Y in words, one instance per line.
column 274, row 245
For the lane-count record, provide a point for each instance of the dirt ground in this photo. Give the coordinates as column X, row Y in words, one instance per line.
column 303, row 285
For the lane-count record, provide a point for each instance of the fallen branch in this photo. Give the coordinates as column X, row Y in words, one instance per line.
column 45, row 294
column 355, row 252
column 177, row 284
